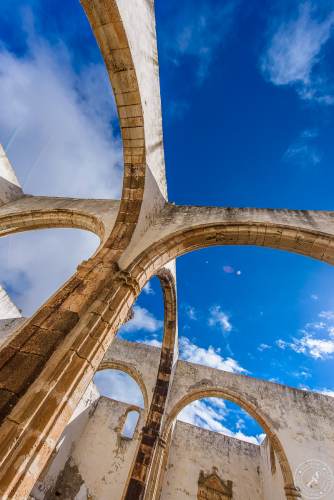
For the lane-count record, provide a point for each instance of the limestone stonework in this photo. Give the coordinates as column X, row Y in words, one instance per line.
column 47, row 403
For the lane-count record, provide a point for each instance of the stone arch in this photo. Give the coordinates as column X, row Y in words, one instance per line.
column 296, row 239
column 249, row 407
column 109, row 30
column 50, row 219
column 132, row 372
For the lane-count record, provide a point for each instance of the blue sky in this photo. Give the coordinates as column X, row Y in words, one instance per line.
column 248, row 112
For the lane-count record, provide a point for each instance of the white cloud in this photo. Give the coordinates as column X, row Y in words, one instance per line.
column 207, row 357
column 34, row 264
column 310, row 343
column 148, row 289
column 316, row 348
column 57, row 123
column 142, row 320
column 294, row 52
column 120, row 386
column 220, row 318
column 314, row 296
column 210, row 414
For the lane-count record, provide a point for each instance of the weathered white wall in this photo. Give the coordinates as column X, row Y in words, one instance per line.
column 273, row 485
column 100, row 460
column 102, row 456
column 301, row 420
column 65, row 446
column 194, row 450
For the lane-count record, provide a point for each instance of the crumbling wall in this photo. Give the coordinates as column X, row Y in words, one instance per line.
column 194, row 450
column 273, row 484
column 102, row 456
column 46, row 486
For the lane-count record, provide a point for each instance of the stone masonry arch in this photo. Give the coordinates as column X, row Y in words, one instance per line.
column 296, row 239
column 242, row 401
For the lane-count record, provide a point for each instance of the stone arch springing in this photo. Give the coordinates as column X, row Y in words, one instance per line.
column 112, row 39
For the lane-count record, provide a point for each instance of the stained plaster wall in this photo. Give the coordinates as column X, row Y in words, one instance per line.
column 194, row 450
column 301, row 420
column 102, row 456
column 273, row 485
column 73, row 431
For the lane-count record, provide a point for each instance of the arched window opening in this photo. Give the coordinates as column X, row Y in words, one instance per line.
column 120, row 386
column 223, row 417
column 146, row 323
column 130, row 424
column 231, row 456
column 34, row 264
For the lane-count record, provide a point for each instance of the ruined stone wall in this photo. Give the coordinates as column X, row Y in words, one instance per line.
column 194, row 450
column 273, row 484
column 101, row 456
column 46, row 485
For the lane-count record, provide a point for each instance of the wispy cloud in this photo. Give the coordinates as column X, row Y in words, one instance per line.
column 219, row 318
column 34, row 264
column 208, row 357
column 197, row 33
column 316, row 339
column 295, row 49
column 142, row 320
column 304, row 152
column 64, row 144
column 56, row 121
